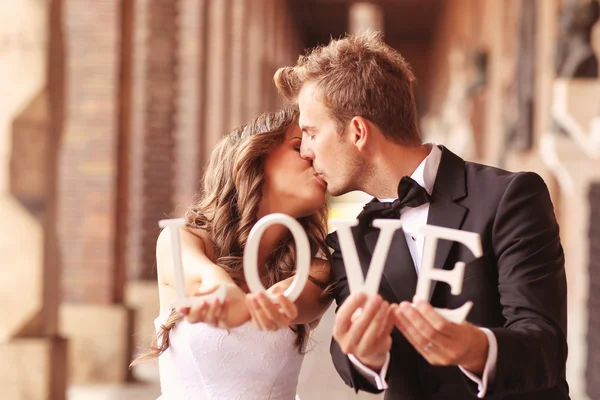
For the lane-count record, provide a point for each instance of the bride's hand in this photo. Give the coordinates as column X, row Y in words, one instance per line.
column 267, row 315
column 212, row 311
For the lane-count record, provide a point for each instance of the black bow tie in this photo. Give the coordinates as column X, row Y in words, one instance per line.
column 410, row 194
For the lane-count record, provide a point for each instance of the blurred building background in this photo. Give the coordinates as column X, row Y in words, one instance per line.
column 109, row 109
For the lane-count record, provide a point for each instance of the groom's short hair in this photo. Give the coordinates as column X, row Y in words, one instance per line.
column 359, row 75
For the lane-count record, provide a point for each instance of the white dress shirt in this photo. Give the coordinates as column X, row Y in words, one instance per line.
column 412, row 221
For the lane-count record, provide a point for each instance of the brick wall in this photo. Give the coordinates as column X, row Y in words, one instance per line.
column 88, row 160
column 161, row 80
column 187, row 130
column 593, row 339
column 136, row 143
column 240, row 53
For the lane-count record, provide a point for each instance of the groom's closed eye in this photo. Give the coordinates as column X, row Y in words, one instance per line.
column 308, row 130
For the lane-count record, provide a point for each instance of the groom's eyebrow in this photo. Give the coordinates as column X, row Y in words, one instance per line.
column 306, row 128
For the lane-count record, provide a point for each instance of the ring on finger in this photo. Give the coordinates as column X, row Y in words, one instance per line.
column 428, row 346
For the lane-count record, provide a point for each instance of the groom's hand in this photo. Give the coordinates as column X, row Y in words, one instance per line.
column 363, row 328
column 440, row 341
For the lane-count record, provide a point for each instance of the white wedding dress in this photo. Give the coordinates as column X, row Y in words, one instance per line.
column 207, row 363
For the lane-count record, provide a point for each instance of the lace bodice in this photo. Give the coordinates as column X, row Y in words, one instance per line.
column 205, row 363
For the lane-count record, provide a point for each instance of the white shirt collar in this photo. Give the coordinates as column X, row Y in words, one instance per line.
column 427, row 170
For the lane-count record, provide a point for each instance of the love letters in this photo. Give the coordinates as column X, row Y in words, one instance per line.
column 356, row 280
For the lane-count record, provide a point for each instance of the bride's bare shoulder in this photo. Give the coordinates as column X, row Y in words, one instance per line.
column 196, row 250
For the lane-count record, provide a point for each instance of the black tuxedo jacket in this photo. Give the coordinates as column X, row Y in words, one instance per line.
column 518, row 286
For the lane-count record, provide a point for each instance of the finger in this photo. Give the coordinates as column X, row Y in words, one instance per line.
column 288, row 307
column 453, row 340
column 371, row 336
column 419, row 322
column 270, row 311
column 217, row 305
column 345, row 312
column 389, row 324
column 219, row 312
column 359, row 326
column 262, row 321
column 433, row 351
column 254, row 322
column 224, row 314
column 197, row 312
column 183, row 310
column 435, row 320
column 413, row 336
column 211, row 314
column 276, row 290
column 267, row 312
column 252, row 309
column 355, row 315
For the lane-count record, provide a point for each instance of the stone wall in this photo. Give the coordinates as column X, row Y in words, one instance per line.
column 33, row 353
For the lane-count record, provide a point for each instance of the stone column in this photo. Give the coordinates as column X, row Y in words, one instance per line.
column 141, row 295
column 155, row 117
column 188, row 118
column 256, row 48
column 282, row 44
column 494, row 141
column 239, row 57
column 269, row 66
column 365, row 15
column 91, row 190
column 33, row 354
column 216, row 96
column 362, row 16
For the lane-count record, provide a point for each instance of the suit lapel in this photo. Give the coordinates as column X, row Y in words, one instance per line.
column 399, row 273
column 450, row 186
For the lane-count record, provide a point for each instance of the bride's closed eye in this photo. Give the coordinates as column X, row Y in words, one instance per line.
column 296, row 142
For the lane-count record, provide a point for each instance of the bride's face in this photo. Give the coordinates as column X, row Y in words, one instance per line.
column 291, row 185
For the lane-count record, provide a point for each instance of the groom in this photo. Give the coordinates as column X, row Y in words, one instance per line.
column 359, row 124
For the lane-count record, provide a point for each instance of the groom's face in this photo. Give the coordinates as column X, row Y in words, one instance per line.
column 332, row 155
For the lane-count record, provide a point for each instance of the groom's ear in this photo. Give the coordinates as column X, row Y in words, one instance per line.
column 360, row 131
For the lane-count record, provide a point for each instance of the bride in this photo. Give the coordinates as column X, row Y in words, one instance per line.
column 254, row 171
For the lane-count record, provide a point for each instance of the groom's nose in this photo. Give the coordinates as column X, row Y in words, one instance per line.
column 306, row 151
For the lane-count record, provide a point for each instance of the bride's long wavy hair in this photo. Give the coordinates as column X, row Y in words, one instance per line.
column 227, row 209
